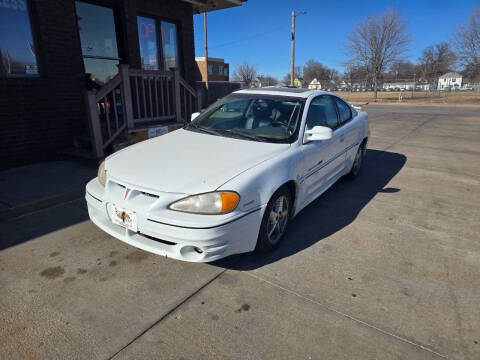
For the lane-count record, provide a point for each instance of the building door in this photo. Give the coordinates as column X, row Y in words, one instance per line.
column 98, row 38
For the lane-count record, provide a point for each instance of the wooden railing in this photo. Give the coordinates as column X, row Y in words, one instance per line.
column 136, row 97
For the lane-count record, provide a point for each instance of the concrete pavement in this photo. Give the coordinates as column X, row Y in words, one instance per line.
column 386, row 267
column 39, row 186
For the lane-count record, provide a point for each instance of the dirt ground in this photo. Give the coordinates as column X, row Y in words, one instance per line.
column 419, row 97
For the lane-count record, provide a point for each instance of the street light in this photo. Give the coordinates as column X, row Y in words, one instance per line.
column 294, row 15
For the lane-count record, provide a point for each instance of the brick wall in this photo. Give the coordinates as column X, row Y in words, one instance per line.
column 40, row 115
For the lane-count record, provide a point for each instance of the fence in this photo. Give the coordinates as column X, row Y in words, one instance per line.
column 216, row 90
column 135, row 97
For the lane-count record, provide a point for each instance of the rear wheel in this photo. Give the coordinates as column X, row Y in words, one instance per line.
column 275, row 221
column 357, row 163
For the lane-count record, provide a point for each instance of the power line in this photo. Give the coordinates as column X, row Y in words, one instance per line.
column 250, row 37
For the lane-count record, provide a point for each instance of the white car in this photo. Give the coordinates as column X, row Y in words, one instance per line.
column 229, row 181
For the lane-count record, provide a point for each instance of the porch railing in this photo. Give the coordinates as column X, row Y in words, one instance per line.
column 137, row 97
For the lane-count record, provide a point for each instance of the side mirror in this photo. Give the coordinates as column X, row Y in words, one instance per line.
column 194, row 115
column 318, row 133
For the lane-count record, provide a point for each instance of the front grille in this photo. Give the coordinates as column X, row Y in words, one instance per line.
column 159, row 240
column 151, row 195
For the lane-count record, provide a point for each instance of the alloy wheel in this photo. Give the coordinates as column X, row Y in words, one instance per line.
column 278, row 219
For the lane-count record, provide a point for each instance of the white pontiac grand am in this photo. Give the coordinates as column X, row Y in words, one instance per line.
column 229, row 181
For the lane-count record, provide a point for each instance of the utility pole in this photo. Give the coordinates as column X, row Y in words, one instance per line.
column 206, row 48
column 292, row 70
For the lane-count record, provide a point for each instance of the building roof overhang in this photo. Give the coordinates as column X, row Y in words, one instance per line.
column 200, row 6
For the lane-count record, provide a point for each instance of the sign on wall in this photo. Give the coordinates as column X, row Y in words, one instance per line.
column 157, row 131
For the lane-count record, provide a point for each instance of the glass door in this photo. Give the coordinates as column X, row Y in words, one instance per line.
column 98, row 38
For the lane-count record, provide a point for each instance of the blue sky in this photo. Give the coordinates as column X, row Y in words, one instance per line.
column 259, row 31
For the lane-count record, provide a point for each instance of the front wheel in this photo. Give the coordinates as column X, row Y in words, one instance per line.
column 275, row 221
column 357, row 163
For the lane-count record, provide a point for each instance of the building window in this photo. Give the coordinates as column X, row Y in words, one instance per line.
column 98, row 39
column 170, row 45
column 151, row 51
column 18, row 56
column 147, row 37
column 210, row 69
column 225, row 71
column 220, row 70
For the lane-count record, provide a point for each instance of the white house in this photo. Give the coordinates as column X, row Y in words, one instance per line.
column 451, row 80
column 315, row 85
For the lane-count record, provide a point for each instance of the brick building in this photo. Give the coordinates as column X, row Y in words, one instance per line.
column 51, row 52
column 216, row 68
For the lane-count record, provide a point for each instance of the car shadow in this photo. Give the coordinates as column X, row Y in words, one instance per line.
column 331, row 212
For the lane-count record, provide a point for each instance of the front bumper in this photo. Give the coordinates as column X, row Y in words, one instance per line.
column 202, row 243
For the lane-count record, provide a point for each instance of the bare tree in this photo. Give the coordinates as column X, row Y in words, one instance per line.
column 402, row 70
column 467, row 43
column 377, row 42
column 436, row 60
column 245, row 73
column 315, row 70
column 354, row 74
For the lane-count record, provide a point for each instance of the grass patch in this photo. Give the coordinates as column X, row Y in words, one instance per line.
column 419, row 97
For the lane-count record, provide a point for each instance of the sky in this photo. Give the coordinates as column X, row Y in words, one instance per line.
column 259, row 31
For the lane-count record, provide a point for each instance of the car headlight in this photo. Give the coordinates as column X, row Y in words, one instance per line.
column 214, row 203
column 102, row 173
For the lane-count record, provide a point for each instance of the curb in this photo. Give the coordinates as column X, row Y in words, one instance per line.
column 41, row 204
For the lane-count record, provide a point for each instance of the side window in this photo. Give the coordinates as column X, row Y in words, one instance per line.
column 322, row 112
column 343, row 110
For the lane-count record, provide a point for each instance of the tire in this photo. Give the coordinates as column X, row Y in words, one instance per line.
column 357, row 163
column 275, row 221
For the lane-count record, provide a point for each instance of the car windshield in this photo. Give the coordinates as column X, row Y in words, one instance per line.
column 252, row 117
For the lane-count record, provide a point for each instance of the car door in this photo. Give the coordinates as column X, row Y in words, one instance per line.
column 349, row 129
column 322, row 160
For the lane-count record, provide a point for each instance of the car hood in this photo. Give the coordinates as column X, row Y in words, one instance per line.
column 188, row 162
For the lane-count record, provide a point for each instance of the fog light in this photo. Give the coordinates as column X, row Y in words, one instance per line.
column 198, row 250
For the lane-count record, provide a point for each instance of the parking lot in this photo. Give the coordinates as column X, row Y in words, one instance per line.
column 384, row 267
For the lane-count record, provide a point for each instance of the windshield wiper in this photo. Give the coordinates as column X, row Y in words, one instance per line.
column 244, row 135
column 208, row 131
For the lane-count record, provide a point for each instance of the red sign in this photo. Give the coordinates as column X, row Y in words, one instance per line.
column 146, row 30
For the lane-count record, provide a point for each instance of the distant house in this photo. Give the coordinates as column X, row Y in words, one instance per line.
column 256, row 83
column 216, row 69
column 451, row 81
column 298, row 82
column 315, row 85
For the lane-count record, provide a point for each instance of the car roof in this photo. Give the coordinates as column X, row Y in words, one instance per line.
column 282, row 91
